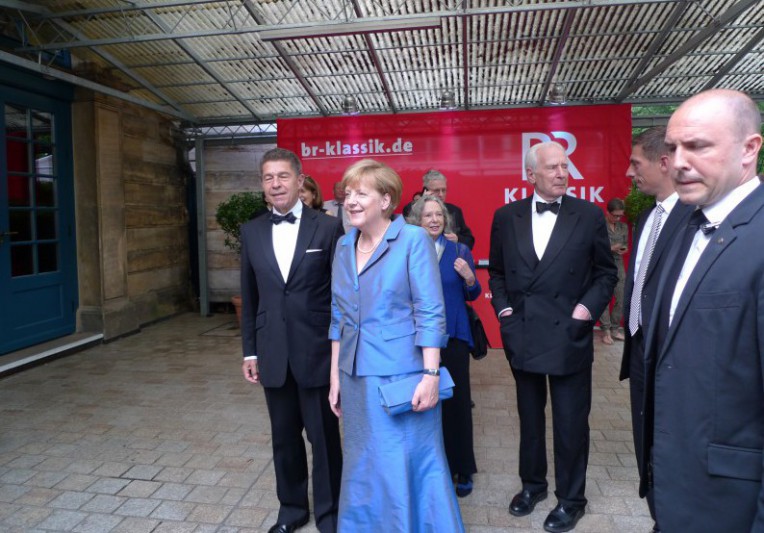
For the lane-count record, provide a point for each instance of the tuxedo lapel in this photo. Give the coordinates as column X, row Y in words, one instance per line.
column 305, row 235
column 641, row 221
column 720, row 240
column 678, row 218
column 566, row 222
column 524, row 234
column 264, row 228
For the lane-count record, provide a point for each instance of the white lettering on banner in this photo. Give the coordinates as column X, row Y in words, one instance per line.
column 332, row 149
column 591, row 193
column 569, row 145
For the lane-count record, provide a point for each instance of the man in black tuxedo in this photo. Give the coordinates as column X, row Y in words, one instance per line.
column 551, row 274
column 434, row 182
column 286, row 260
column 650, row 169
column 704, row 391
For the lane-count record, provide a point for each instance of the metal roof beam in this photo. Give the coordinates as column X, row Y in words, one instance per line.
column 311, row 26
column 728, row 66
column 121, row 8
column 729, row 15
column 254, row 12
column 465, row 60
column 124, row 69
column 649, row 54
column 192, row 54
column 112, row 60
column 377, row 63
column 82, row 82
column 561, row 42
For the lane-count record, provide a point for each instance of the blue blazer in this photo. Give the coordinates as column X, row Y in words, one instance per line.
column 455, row 290
column 394, row 307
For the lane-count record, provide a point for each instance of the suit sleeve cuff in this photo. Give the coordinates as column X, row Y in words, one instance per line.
column 431, row 339
column 591, row 316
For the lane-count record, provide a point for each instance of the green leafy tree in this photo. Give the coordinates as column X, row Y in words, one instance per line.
column 235, row 211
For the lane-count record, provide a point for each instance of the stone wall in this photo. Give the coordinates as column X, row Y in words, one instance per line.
column 132, row 222
column 228, row 169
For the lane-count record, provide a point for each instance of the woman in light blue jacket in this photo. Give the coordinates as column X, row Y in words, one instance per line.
column 388, row 322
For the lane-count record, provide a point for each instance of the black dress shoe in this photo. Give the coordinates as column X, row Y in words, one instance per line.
column 524, row 502
column 563, row 518
column 288, row 528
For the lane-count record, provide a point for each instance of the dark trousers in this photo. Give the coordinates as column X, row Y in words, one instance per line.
column 292, row 408
column 457, row 411
column 571, row 402
column 637, row 394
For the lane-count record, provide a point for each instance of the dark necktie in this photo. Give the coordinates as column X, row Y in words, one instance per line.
column 541, row 207
column 697, row 220
column 278, row 219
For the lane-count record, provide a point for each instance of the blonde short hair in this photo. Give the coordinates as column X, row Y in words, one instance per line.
column 382, row 178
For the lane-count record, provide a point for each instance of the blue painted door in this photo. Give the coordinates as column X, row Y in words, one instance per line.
column 38, row 280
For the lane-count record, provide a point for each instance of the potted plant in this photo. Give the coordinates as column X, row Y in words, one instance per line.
column 239, row 208
column 636, row 202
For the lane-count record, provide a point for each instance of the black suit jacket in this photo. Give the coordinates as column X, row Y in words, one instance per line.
column 541, row 336
column 676, row 220
column 708, row 385
column 458, row 225
column 288, row 322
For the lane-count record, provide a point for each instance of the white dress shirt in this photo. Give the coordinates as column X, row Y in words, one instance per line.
column 285, row 239
column 543, row 225
column 668, row 205
column 715, row 213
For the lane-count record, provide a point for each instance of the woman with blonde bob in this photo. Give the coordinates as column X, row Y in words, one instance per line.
column 388, row 324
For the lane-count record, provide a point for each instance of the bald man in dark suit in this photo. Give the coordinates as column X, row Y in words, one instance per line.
column 704, row 394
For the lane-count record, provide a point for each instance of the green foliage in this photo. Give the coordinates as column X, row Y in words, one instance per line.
column 636, row 202
column 238, row 209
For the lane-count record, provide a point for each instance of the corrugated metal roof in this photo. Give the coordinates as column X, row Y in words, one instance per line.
column 206, row 60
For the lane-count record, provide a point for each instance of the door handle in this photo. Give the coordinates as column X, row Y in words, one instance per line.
column 7, row 234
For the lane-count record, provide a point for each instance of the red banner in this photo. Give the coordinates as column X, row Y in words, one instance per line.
column 480, row 152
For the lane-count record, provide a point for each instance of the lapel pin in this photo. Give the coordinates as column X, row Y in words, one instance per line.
column 720, row 240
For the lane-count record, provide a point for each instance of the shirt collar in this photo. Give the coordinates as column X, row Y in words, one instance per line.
column 669, row 202
column 537, row 198
column 719, row 210
column 297, row 210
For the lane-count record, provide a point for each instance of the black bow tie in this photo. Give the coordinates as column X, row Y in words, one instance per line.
column 699, row 220
column 278, row 219
column 554, row 207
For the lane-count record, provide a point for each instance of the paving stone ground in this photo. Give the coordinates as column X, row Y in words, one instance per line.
column 159, row 432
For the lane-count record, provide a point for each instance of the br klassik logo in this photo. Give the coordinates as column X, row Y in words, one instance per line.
column 568, row 141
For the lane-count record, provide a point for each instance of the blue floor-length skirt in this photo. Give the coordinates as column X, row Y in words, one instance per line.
column 395, row 476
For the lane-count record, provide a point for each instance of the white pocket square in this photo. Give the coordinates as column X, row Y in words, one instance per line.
column 313, row 250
